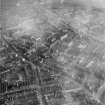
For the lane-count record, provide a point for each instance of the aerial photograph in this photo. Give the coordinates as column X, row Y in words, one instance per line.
column 52, row 52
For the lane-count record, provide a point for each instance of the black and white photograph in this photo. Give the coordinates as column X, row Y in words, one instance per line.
column 52, row 52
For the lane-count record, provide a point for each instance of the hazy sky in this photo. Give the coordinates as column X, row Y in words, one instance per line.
column 14, row 11
column 8, row 4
